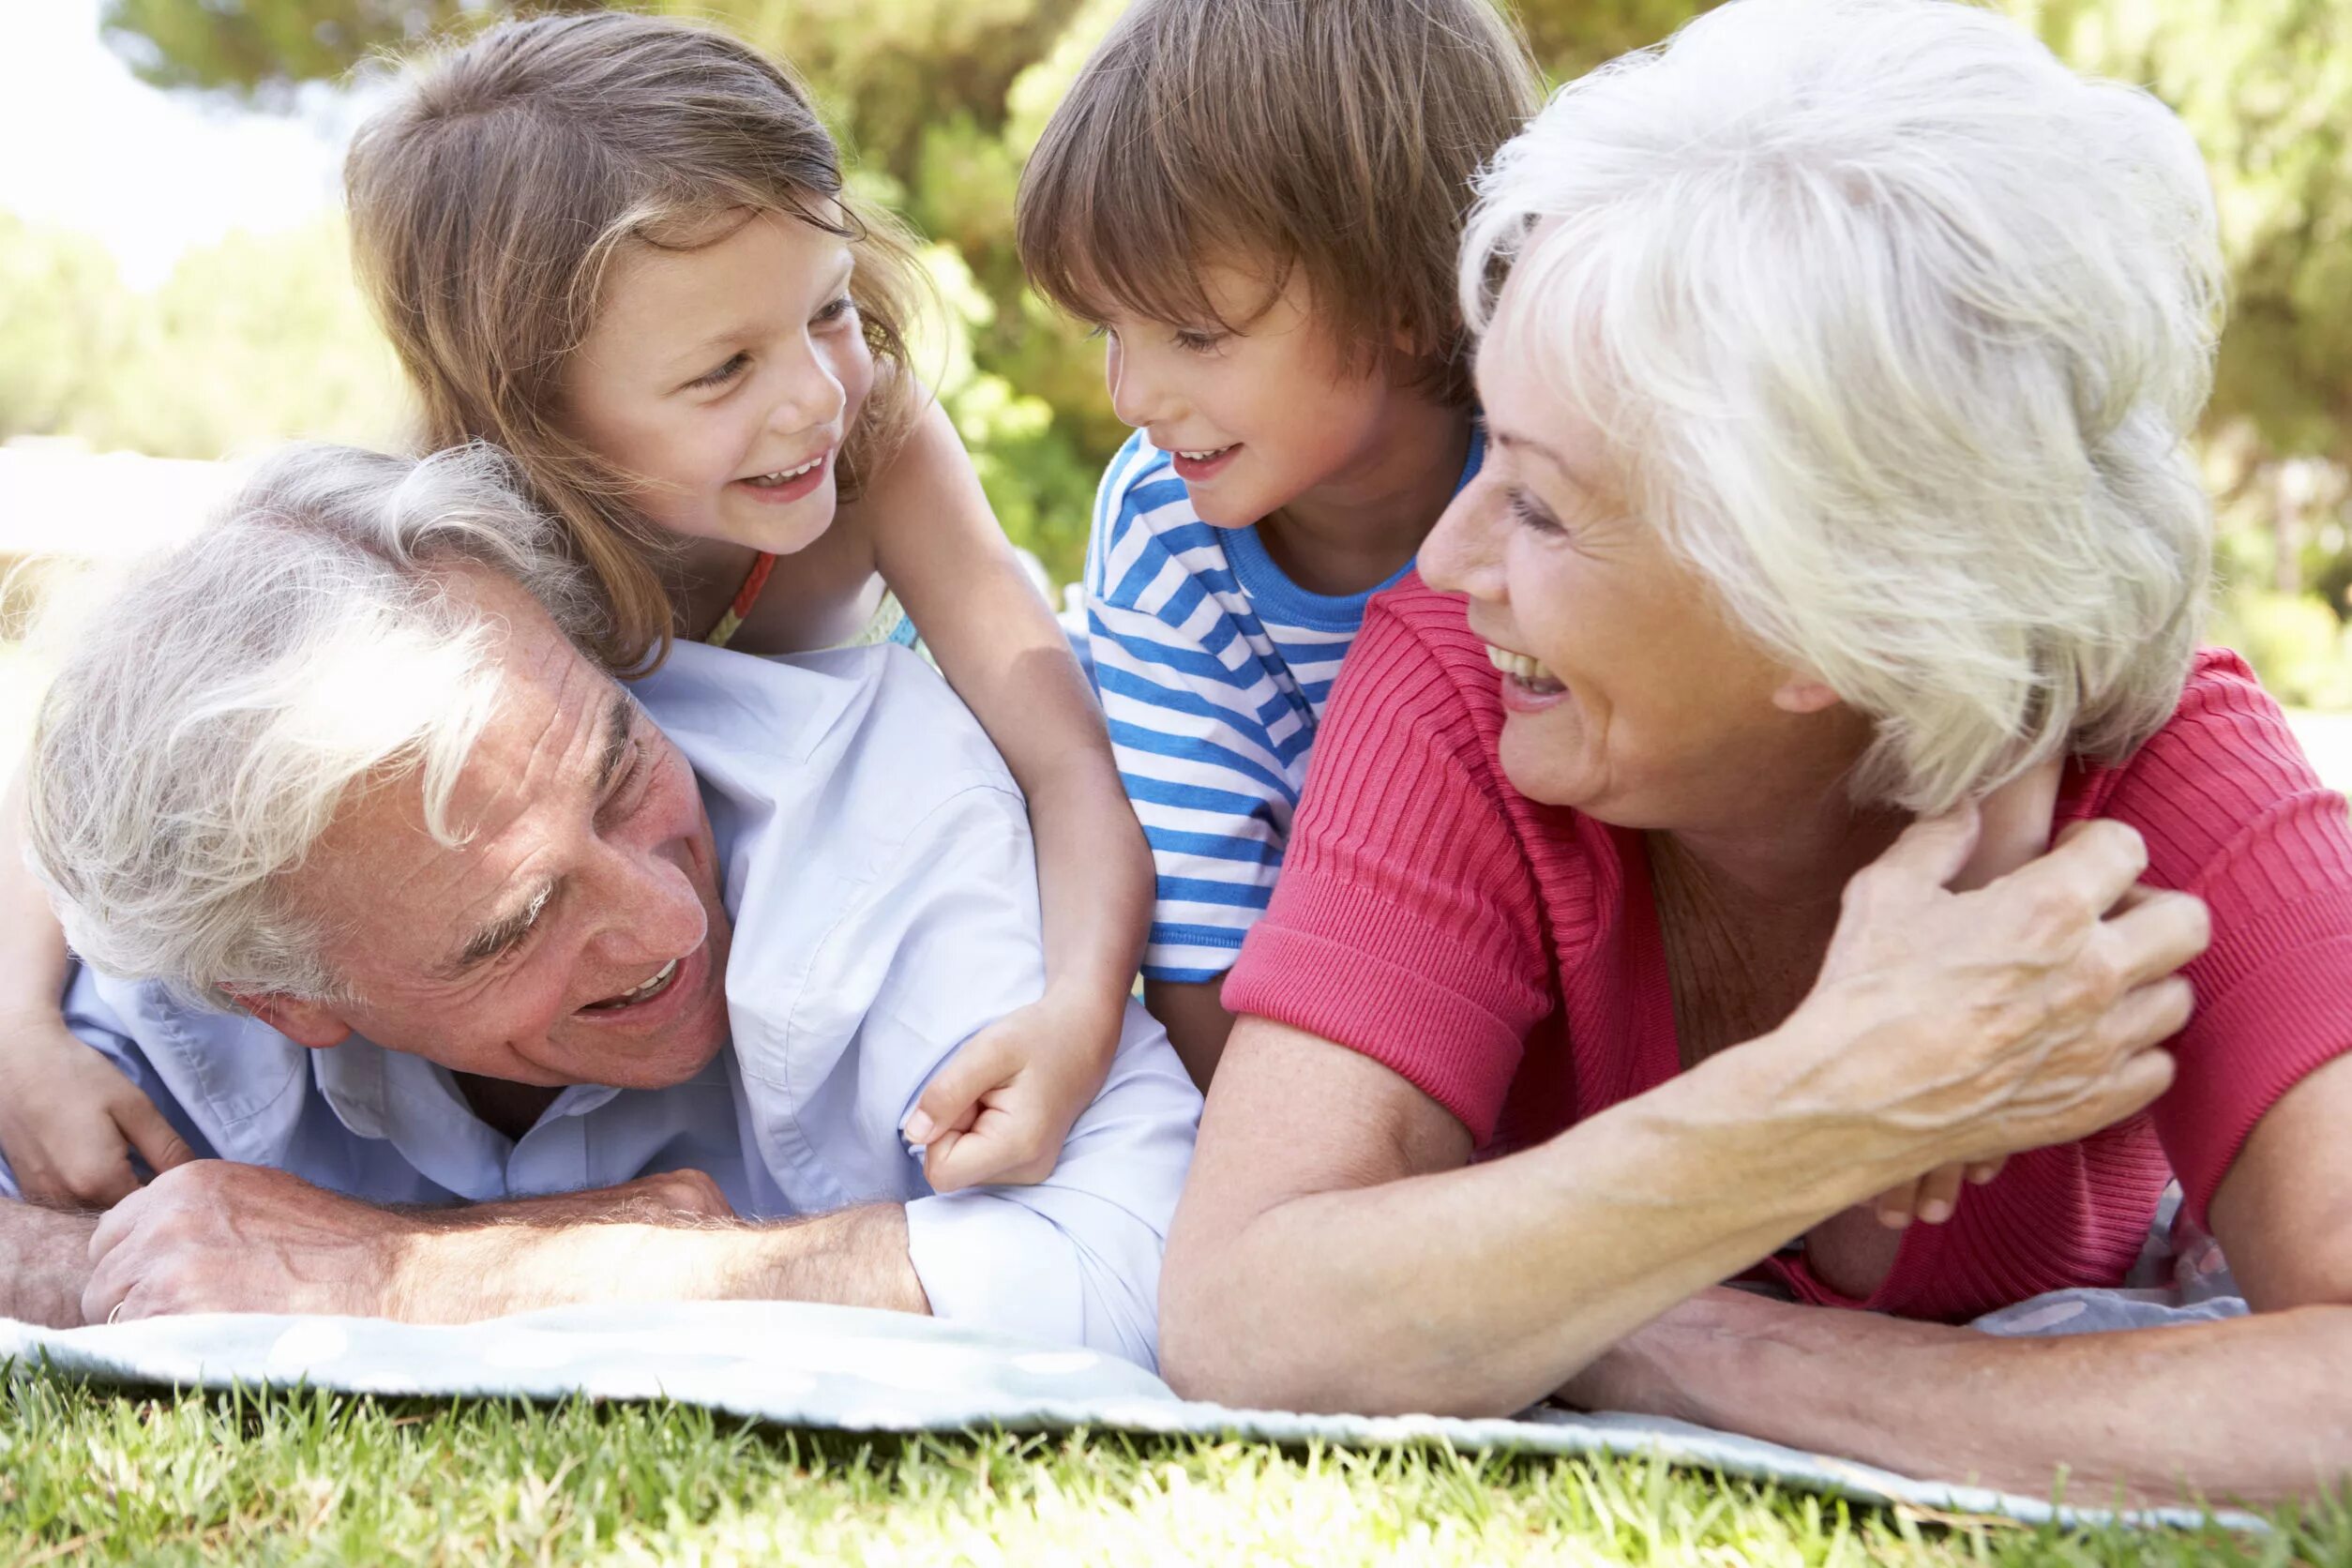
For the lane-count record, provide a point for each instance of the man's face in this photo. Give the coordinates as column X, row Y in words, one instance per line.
column 576, row 935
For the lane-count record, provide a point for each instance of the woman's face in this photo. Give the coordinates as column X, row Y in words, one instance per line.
column 724, row 379
column 1628, row 693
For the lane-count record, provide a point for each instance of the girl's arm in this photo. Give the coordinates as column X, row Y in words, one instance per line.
column 68, row 1121
column 939, row 549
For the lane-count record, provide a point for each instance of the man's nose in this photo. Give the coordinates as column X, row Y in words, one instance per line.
column 1462, row 553
column 651, row 910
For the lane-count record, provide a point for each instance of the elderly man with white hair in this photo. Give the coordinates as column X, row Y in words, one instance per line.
column 1837, row 358
column 494, row 984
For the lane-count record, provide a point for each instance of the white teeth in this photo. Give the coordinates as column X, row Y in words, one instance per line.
column 1205, row 456
column 1530, row 671
column 784, row 475
column 651, row 989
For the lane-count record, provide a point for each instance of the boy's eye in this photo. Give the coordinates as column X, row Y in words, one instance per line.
column 722, row 374
column 1193, row 342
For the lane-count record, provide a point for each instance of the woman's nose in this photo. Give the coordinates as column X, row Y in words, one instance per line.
column 1460, row 556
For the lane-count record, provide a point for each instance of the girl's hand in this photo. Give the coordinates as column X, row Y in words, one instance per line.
column 69, row 1122
column 998, row 1111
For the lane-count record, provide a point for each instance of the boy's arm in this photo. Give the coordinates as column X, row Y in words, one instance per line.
column 941, row 551
column 69, row 1122
column 1193, row 1013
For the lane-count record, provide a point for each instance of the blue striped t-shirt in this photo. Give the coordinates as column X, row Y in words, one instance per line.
column 1214, row 668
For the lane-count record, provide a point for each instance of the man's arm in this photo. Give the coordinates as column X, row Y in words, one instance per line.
column 216, row 1237
column 44, row 1264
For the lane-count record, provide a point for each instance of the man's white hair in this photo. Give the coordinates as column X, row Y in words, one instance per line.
column 1898, row 326
column 211, row 717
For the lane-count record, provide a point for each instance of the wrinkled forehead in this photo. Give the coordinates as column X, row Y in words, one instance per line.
column 414, row 847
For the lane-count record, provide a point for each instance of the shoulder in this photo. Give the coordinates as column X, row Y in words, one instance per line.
column 1147, row 541
column 1417, row 669
column 2226, row 775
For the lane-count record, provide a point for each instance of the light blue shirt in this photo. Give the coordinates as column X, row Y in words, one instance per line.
column 878, row 867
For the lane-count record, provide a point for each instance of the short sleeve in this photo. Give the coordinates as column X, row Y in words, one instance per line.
column 2232, row 812
column 1405, row 925
column 1209, row 750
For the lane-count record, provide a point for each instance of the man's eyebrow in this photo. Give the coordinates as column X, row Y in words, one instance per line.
column 511, row 927
column 616, row 742
column 505, row 932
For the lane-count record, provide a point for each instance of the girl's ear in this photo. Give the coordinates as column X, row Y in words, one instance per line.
column 1803, row 694
column 305, row 1023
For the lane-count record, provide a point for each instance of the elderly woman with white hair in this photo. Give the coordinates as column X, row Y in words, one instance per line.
column 1837, row 358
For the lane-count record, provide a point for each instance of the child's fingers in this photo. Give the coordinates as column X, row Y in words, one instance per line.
column 95, row 1184
column 150, row 1133
column 951, row 1101
column 1895, row 1206
column 1939, row 1193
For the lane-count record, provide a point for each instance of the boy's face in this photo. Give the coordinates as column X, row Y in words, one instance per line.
column 1256, row 418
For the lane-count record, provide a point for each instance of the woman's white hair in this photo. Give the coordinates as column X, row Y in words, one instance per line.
column 209, row 720
column 1898, row 326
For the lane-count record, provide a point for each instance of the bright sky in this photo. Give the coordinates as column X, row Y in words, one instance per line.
column 148, row 173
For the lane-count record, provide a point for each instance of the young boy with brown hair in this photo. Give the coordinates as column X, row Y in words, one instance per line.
column 1260, row 203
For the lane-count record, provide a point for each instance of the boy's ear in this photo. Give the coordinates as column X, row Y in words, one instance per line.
column 305, row 1023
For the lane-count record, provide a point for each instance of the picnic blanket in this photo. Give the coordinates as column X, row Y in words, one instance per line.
column 873, row 1371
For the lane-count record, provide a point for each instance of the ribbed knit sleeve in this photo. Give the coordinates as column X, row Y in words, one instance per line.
column 1406, row 922
column 2233, row 812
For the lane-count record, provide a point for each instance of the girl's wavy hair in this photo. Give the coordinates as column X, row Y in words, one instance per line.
column 490, row 203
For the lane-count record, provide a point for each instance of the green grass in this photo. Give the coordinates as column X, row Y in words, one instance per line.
column 90, row 1475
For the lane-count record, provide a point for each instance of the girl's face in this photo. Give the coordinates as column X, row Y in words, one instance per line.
column 723, row 380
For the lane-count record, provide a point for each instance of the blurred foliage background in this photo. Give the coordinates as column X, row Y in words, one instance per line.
column 939, row 102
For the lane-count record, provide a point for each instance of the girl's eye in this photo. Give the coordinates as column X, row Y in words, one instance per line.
column 1531, row 514
column 837, row 309
column 722, row 374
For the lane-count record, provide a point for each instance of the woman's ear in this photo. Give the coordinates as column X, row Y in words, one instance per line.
column 314, row 1024
column 1803, row 694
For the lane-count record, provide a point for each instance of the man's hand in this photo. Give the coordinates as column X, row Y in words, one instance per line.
column 1001, row 1108
column 69, row 1122
column 216, row 1237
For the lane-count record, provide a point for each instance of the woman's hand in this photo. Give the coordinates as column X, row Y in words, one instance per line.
column 69, row 1123
column 1960, row 1028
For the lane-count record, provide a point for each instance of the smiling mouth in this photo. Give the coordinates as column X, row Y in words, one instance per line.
column 1529, row 672
column 643, row 994
column 786, row 476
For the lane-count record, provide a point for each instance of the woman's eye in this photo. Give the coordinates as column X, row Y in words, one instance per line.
column 1531, row 514
column 723, row 374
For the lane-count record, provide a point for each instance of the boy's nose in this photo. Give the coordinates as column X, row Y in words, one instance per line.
column 1134, row 393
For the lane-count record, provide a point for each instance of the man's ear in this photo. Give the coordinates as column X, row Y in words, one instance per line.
column 314, row 1024
column 1803, row 694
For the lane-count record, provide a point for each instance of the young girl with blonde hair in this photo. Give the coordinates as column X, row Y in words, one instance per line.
column 621, row 249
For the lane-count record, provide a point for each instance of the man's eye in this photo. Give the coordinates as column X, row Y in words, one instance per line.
column 722, row 374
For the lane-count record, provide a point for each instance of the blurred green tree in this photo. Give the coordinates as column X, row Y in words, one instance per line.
column 941, row 101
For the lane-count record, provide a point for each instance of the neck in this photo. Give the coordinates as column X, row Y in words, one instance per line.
column 1789, row 844
column 511, row 1109
column 1363, row 525
column 703, row 580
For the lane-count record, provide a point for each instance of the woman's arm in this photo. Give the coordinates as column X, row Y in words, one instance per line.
column 1334, row 1252
column 939, row 549
column 2248, row 1411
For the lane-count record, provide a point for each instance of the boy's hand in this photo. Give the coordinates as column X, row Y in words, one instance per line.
column 1000, row 1109
column 2016, row 830
column 69, row 1121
